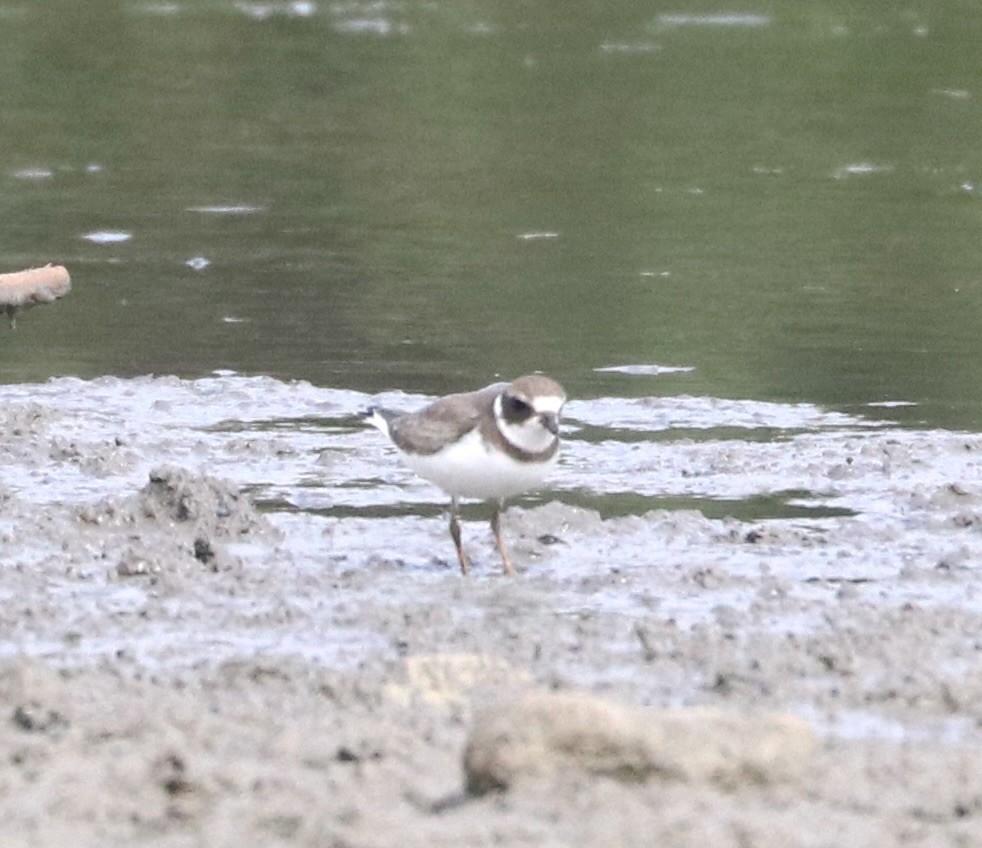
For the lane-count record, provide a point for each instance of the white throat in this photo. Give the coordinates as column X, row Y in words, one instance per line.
column 529, row 436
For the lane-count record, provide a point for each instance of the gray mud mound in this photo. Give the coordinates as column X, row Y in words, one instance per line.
column 549, row 735
column 177, row 524
column 193, row 504
column 209, row 506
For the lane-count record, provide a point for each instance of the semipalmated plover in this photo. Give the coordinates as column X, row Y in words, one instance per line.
column 491, row 444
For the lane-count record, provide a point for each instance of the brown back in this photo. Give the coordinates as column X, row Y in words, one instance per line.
column 443, row 421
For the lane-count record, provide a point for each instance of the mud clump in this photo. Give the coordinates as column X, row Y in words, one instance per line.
column 177, row 525
column 35, row 697
column 203, row 507
column 545, row 735
column 207, row 506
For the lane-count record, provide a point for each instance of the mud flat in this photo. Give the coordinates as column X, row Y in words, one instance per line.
column 230, row 618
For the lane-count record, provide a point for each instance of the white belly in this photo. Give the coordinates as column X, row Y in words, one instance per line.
column 468, row 469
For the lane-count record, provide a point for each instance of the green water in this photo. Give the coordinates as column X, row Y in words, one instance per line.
column 789, row 203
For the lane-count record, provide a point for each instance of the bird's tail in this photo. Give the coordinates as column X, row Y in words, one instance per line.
column 378, row 417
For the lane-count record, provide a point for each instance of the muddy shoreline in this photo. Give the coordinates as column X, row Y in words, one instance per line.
column 181, row 667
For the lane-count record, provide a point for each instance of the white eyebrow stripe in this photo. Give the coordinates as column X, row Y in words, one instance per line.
column 548, row 403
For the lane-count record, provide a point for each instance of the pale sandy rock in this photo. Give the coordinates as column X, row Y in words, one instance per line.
column 547, row 734
column 24, row 289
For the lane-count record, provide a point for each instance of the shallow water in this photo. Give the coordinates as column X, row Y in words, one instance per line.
column 374, row 195
column 297, row 446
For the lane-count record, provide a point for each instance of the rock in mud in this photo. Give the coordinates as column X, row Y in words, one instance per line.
column 545, row 735
column 24, row 289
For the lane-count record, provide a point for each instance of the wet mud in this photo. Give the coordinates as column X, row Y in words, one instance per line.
column 230, row 617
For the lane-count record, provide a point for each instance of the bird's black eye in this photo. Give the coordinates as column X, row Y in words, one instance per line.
column 515, row 409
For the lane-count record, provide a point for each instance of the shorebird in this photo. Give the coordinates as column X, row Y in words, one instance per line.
column 490, row 444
